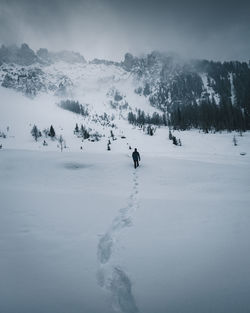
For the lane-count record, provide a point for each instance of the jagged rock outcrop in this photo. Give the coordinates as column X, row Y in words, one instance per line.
column 65, row 56
column 29, row 81
column 25, row 56
column 21, row 56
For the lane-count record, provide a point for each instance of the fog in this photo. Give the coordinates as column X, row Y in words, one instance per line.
column 108, row 29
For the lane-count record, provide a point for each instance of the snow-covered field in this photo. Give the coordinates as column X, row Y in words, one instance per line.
column 87, row 232
column 82, row 231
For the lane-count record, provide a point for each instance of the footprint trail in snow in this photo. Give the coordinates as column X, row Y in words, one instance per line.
column 112, row 277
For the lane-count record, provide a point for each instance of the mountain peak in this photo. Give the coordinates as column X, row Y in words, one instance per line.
column 26, row 56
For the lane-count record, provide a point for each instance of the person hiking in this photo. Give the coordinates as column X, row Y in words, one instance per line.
column 136, row 157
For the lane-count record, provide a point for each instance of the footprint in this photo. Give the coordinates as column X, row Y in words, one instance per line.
column 100, row 275
column 115, row 279
column 121, row 289
column 105, row 248
column 126, row 222
column 124, row 210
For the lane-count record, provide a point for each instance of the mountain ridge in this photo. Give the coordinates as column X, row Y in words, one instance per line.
column 194, row 93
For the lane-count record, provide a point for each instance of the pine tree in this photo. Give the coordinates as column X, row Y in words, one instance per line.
column 52, row 132
column 76, row 128
column 35, row 132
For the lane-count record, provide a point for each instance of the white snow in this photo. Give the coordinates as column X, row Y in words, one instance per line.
column 233, row 96
column 82, row 231
column 208, row 89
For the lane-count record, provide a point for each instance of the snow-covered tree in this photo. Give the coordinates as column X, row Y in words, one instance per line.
column 35, row 132
column 61, row 142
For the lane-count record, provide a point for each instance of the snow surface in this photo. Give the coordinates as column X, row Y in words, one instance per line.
column 233, row 95
column 82, row 231
column 208, row 89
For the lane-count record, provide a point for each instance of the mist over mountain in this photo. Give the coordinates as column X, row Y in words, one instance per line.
column 107, row 29
column 196, row 93
column 26, row 56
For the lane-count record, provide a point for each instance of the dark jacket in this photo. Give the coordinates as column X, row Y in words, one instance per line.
column 136, row 156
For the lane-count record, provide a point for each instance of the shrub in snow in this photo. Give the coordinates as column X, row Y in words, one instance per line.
column 175, row 141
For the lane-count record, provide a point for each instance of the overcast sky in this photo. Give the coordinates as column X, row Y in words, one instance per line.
column 213, row 29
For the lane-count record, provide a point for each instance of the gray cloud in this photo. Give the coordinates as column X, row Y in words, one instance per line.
column 107, row 29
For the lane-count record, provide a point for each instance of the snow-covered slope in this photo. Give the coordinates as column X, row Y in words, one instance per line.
column 106, row 91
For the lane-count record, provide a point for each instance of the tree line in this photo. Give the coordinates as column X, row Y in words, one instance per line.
column 208, row 116
column 140, row 118
column 74, row 106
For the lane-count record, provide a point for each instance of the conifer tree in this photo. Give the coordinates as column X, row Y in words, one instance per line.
column 35, row 132
column 76, row 128
column 52, row 132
